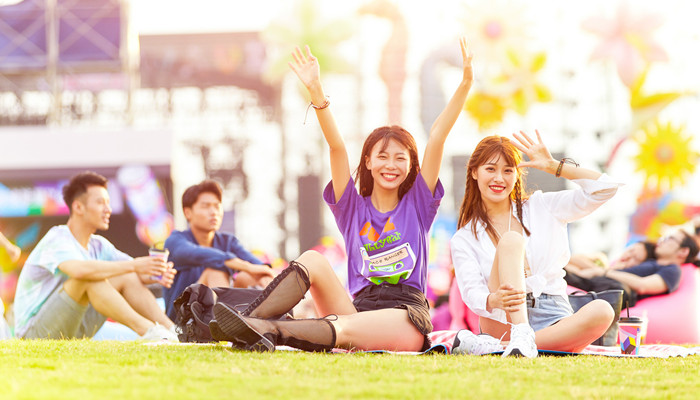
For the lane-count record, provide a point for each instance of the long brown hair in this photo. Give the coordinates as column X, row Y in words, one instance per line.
column 385, row 133
column 473, row 208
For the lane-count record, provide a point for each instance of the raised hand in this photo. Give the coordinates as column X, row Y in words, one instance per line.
column 468, row 74
column 305, row 66
column 537, row 152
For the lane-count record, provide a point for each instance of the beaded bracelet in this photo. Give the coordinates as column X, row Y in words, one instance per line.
column 321, row 107
column 561, row 165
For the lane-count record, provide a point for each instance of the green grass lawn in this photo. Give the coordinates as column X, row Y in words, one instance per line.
column 85, row 369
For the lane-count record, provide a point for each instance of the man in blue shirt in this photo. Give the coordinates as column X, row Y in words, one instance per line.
column 204, row 255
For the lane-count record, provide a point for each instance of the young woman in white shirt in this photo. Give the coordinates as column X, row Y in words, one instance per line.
column 510, row 250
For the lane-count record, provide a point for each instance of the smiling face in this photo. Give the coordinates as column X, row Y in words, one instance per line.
column 206, row 213
column 389, row 165
column 495, row 179
column 93, row 208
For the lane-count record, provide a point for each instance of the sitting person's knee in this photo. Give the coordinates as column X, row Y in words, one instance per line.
column 602, row 312
column 312, row 259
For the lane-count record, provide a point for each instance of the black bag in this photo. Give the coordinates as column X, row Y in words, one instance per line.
column 194, row 308
column 580, row 298
column 600, row 284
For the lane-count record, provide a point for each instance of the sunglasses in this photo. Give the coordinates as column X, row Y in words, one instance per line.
column 670, row 237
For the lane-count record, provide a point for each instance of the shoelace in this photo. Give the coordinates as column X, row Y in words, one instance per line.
column 485, row 345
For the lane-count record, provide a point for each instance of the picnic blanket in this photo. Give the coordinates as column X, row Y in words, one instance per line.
column 442, row 344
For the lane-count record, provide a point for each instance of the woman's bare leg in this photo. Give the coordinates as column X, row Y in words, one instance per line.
column 387, row 329
column 577, row 331
column 508, row 269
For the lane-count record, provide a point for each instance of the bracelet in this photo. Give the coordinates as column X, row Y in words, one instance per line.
column 561, row 165
column 321, row 107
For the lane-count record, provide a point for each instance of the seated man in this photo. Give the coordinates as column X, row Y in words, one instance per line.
column 649, row 278
column 74, row 280
column 204, row 255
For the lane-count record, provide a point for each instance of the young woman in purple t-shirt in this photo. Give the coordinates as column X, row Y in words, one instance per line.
column 385, row 227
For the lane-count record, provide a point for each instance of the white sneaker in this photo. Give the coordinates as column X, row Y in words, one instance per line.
column 466, row 342
column 522, row 342
column 158, row 332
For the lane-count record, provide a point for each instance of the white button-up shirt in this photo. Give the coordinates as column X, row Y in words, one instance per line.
column 546, row 249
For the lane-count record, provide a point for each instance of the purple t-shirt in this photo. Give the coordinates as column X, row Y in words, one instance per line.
column 386, row 247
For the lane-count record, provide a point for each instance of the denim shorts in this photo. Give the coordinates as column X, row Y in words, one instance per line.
column 546, row 310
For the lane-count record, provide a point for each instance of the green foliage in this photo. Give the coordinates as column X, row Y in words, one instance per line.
column 84, row 369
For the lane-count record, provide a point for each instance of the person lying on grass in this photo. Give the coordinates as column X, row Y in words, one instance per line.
column 74, row 280
column 385, row 227
column 510, row 251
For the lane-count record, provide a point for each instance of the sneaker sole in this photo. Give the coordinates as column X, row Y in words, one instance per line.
column 219, row 336
column 232, row 326
column 517, row 353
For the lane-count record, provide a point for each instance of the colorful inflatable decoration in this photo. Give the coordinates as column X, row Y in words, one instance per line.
column 146, row 200
column 515, row 87
column 499, row 33
column 495, row 27
column 665, row 157
column 521, row 74
column 655, row 212
column 645, row 107
column 487, row 110
column 392, row 62
column 627, row 40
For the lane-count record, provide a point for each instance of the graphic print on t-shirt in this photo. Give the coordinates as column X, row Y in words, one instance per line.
column 390, row 265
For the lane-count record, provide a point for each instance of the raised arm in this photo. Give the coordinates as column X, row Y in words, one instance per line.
column 12, row 250
column 445, row 121
column 307, row 69
column 540, row 158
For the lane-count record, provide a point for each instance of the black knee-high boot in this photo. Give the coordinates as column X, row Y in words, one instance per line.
column 282, row 294
column 263, row 335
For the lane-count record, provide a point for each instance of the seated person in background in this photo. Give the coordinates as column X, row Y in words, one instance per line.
column 634, row 254
column 12, row 250
column 204, row 255
column 649, row 278
column 74, row 280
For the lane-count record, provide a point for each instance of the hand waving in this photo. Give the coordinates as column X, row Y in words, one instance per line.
column 537, row 152
column 305, row 66
column 468, row 74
